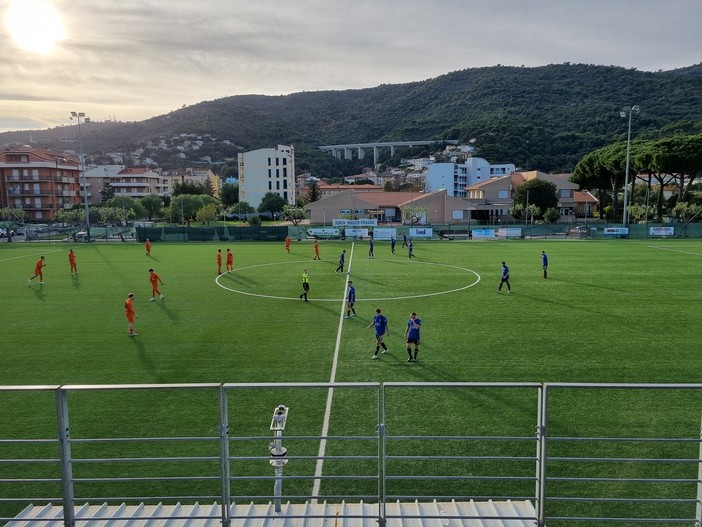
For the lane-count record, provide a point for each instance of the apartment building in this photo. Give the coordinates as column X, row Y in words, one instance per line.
column 267, row 170
column 38, row 181
column 455, row 177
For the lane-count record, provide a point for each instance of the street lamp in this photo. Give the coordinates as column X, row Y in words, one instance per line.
column 78, row 116
column 630, row 109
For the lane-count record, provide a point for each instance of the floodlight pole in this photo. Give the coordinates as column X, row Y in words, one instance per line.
column 78, row 116
column 630, row 109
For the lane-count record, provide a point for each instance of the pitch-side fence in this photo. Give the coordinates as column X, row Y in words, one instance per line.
column 396, row 442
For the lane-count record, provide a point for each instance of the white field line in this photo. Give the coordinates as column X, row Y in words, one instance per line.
column 330, row 393
column 674, row 250
column 33, row 255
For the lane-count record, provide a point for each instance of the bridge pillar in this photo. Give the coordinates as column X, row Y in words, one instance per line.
column 348, row 153
column 392, row 150
column 361, row 152
column 375, row 155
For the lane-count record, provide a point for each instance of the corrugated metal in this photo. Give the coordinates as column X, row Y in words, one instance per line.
column 398, row 514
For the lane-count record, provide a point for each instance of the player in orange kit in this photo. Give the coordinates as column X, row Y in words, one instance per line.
column 129, row 313
column 154, row 279
column 219, row 261
column 38, row 267
column 147, row 246
column 316, row 251
column 72, row 262
column 287, row 243
column 230, row 261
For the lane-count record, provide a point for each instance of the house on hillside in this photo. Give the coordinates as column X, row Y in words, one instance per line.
column 387, row 206
column 490, row 200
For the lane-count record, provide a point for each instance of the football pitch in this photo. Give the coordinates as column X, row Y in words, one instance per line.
column 611, row 311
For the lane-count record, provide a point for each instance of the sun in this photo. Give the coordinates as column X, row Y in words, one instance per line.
column 35, row 25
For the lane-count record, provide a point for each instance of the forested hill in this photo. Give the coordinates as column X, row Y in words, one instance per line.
column 543, row 117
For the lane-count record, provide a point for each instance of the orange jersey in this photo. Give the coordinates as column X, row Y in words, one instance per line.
column 72, row 258
column 147, row 245
column 287, row 242
column 316, row 248
column 129, row 309
column 154, row 279
column 38, row 266
column 230, row 258
column 219, row 258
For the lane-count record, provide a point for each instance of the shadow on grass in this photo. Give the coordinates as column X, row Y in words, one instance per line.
column 239, row 277
column 584, row 284
column 571, row 306
column 172, row 315
column 39, row 293
column 145, row 359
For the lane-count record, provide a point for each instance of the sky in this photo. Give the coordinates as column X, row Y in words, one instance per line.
column 130, row 60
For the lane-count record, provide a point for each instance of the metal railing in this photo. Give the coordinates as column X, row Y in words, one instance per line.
column 392, row 442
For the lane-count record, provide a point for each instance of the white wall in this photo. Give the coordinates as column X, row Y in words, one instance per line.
column 267, row 170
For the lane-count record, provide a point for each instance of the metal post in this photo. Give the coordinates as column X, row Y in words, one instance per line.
column 625, row 216
column 698, row 516
column 64, row 436
column 224, row 457
column 381, row 452
column 78, row 116
column 541, row 433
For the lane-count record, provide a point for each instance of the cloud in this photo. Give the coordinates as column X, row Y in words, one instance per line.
column 135, row 59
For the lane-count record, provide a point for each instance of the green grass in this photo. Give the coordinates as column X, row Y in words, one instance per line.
column 611, row 311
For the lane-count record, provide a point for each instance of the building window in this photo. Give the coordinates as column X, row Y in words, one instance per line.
column 285, row 172
column 277, row 161
column 285, row 196
column 277, row 172
column 503, row 194
column 277, row 185
column 285, row 183
column 565, row 193
column 269, row 161
column 270, row 185
column 270, row 174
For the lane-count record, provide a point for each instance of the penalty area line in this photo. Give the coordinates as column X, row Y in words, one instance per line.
column 674, row 250
column 330, row 394
column 33, row 255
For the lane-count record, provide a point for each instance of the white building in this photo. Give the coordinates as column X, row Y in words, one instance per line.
column 267, row 170
column 455, row 177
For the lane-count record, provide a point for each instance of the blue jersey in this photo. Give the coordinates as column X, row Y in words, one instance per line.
column 352, row 294
column 392, row 242
column 544, row 260
column 342, row 257
column 414, row 327
column 505, row 272
column 370, row 245
column 381, row 323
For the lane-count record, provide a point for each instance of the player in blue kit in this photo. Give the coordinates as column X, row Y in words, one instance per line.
column 504, row 279
column 342, row 259
column 370, row 249
column 381, row 329
column 544, row 263
column 350, row 301
column 393, row 241
column 412, row 334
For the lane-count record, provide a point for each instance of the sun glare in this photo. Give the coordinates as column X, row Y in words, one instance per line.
column 35, row 25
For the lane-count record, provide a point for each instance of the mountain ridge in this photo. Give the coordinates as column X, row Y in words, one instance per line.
column 545, row 117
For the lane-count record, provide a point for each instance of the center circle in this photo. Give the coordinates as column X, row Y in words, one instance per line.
column 476, row 279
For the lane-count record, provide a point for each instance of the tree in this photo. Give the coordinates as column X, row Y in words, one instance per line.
column 637, row 212
column 152, row 204
column 294, row 214
column 272, row 203
column 127, row 203
column 313, row 193
column 516, row 211
column 107, row 192
column 184, row 207
column 414, row 214
column 551, row 215
column 207, row 213
column 190, row 187
column 229, row 194
column 542, row 194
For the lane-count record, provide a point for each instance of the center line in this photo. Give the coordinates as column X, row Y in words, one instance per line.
column 330, row 394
